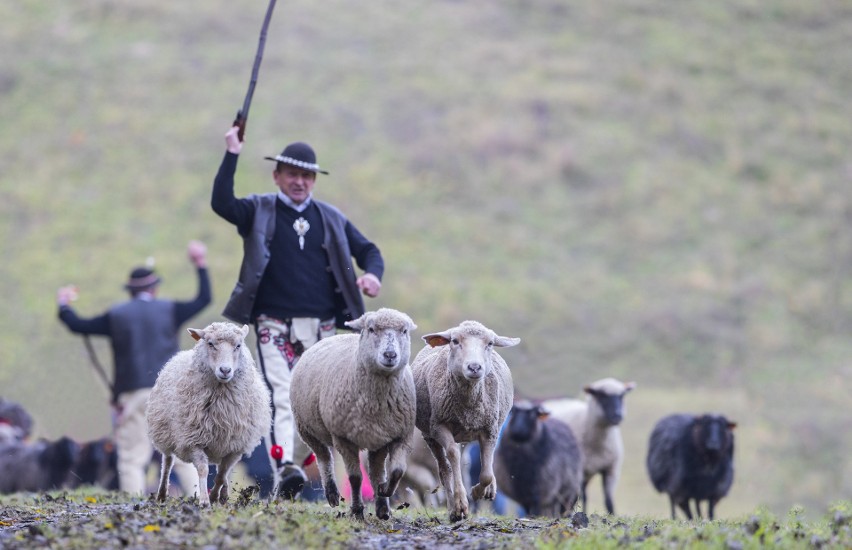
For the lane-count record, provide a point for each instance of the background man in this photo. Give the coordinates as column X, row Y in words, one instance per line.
column 143, row 332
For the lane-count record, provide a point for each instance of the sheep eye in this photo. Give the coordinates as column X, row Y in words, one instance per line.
column 455, row 341
column 405, row 331
column 371, row 330
column 211, row 345
column 237, row 346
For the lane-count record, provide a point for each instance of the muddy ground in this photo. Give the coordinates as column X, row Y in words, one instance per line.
column 105, row 521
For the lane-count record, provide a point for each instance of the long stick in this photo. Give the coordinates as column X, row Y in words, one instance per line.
column 242, row 114
column 98, row 366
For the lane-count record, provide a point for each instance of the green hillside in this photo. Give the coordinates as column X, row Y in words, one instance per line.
column 650, row 190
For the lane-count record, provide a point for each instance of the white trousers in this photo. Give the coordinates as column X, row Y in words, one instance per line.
column 278, row 353
column 135, row 449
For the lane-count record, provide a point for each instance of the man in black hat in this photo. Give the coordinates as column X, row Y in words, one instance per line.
column 297, row 283
column 143, row 332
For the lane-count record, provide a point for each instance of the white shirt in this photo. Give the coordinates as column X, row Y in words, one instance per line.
column 289, row 202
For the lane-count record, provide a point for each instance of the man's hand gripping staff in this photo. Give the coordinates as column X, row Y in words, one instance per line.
column 242, row 114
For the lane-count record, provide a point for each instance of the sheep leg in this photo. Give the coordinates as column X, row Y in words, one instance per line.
column 443, row 467
column 396, row 465
column 201, row 463
column 684, row 505
column 349, row 452
column 486, row 488
column 220, row 483
column 376, row 469
column 325, row 465
column 711, row 505
column 165, row 470
column 608, row 482
column 459, row 502
column 583, row 492
column 422, row 483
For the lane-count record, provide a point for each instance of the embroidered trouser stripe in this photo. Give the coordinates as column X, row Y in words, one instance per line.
column 277, row 358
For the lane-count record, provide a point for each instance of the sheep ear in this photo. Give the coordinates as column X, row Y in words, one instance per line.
column 506, row 342
column 245, row 330
column 195, row 333
column 437, row 339
column 732, row 425
column 629, row 386
column 356, row 324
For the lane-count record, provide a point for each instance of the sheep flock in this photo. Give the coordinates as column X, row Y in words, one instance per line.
column 364, row 394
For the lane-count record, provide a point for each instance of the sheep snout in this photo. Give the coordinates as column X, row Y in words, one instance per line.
column 224, row 374
column 390, row 356
column 473, row 371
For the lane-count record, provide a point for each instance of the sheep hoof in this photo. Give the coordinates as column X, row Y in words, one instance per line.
column 460, row 510
column 487, row 492
column 357, row 512
column 457, row 516
column 383, row 508
column 332, row 495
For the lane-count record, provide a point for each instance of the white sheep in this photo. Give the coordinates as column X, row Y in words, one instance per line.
column 356, row 391
column 595, row 424
column 464, row 392
column 421, row 475
column 209, row 405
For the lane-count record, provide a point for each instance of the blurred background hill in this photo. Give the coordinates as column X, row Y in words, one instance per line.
column 656, row 191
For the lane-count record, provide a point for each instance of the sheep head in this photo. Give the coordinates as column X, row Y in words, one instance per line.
column 471, row 345
column 608, row 395
column 713, row 436
column 524, row 421
column 385, row 340
column 219, row 348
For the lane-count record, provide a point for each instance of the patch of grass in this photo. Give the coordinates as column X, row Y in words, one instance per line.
column 87, row 518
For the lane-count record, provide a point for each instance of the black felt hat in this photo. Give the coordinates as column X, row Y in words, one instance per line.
column 142, row 278
column 300, row 155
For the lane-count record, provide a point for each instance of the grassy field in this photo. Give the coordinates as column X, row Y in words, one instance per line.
column 86, row 519
column 658, row 192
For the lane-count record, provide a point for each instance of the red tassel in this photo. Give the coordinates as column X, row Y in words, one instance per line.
column 277, row 452
column 310, row 460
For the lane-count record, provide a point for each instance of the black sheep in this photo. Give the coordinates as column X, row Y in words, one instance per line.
column 97, row 464
column 692, row 458
column 40, row 466
column 538, row 462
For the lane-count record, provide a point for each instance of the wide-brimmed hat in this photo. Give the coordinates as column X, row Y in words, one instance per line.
column 142, row 278
column 300, row 155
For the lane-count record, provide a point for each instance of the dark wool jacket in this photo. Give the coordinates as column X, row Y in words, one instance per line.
column 257, row 238
column 143, row 333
